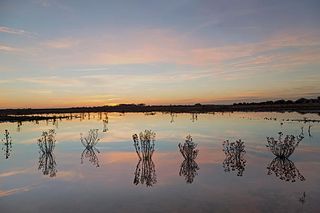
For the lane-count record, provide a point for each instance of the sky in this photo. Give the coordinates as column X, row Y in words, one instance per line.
column 56, row 53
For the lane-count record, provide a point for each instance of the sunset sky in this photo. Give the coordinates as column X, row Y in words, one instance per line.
column 56, row 53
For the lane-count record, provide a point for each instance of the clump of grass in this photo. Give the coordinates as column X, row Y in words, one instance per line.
column 234, row 160
column 189, row 167
column 91, row 139
column 7, row 142
column 90, row 150
column 46, row 145
column 284, row 146
column 144, row 147
column 145, row 172
column 188, row 149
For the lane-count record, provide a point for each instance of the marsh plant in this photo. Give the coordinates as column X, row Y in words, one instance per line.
column 7, row 144
column 145, row 146
column 145, row 172
column 46, row 145
column 284, row 146
column 235, row 156
column 285, row 170
column 189, row 166
column 89, row 142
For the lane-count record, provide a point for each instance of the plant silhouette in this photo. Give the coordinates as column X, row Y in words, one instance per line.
column 189, row 166
column 145, row 172
column 90, row 150
column 281, row 166
column 235, row 153
column 7, row 144
column 283, row 147
column 47, row 161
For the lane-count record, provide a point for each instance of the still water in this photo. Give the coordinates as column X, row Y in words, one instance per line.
column 96, row 163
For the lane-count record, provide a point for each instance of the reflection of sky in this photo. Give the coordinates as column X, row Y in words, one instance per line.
column 84, row 187
column 69, row 53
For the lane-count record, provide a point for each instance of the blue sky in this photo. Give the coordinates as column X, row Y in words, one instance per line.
column 78, row 53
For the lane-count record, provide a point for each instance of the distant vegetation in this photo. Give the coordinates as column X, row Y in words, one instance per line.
column 302, row 105
column 284, row 102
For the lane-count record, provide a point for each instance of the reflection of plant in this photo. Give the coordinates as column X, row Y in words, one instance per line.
column 90, row 150
column 7, row 142
column 302, row 200
column 284, row 169
column 19, row 126
column 283, row 148
column 47, row 161
column 194, row 117
column 145, row 170
column 105, row 123
column 234, row 156
column 309, row 131
column 189, row 166
column 172, row 115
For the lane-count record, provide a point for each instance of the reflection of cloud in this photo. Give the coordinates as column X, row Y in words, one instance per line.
column 69, row 175
column 12, row 173
column 14, row 191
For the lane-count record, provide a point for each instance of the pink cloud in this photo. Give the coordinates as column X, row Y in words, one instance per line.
column 14, row 31
column 7, row 48
column 64, row 43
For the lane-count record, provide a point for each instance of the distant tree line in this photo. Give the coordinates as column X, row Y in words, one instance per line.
column 282, row 102
column 302, row 105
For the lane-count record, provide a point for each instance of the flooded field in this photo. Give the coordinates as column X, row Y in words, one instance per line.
column 155, row 162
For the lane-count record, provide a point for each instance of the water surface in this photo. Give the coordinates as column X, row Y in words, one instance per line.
column 109, row 175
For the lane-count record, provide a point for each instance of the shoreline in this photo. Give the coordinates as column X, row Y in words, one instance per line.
column 19, row 115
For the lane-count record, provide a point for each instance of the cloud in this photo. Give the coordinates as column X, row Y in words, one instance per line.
column 113, row 80
column 51, row 81
column 63, row 43
column 135, row 65
column 14, row 31
column 43, row 3
column 280, row 52
column 6, row 48
column 54, row 4
column 5, row 81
